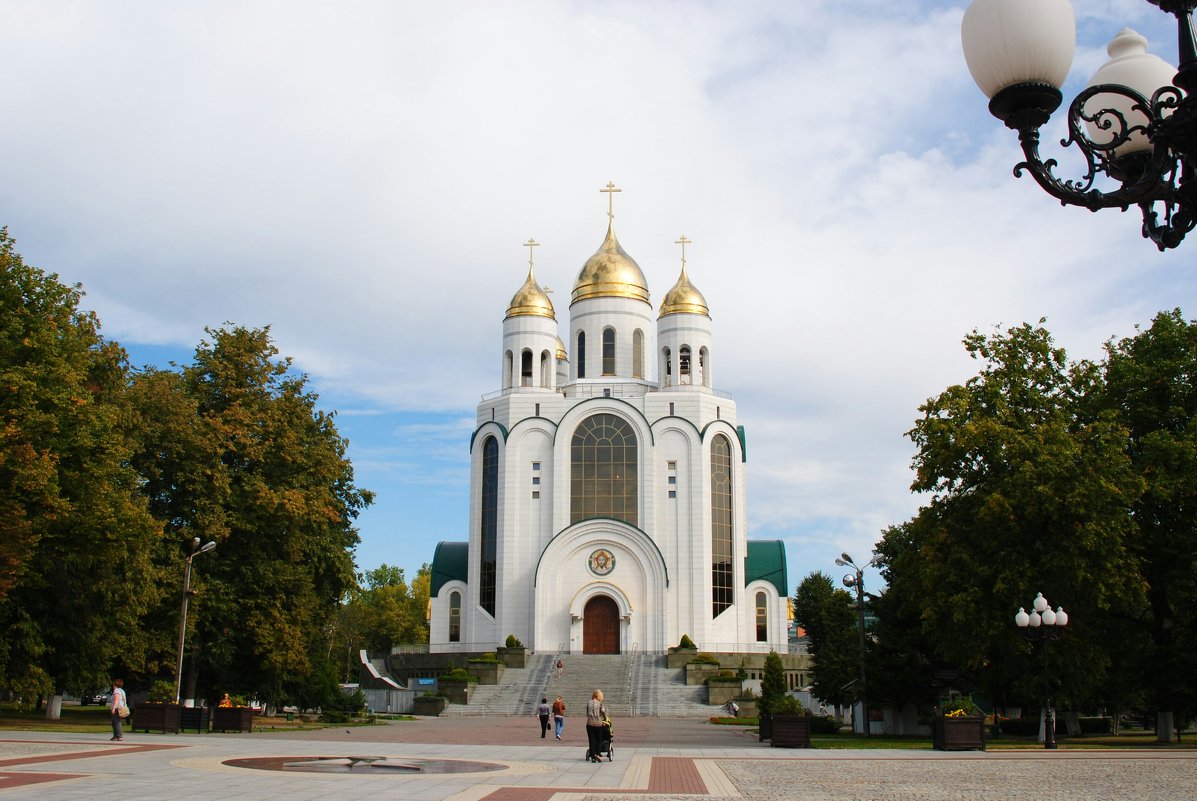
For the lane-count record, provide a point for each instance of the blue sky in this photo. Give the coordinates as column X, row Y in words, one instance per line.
column 361, row 177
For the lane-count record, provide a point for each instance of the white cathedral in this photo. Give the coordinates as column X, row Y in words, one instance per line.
column 607, row 507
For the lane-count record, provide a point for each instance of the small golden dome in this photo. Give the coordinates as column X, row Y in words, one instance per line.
column 684, row 298
column 610, row 273
column 561, row 354
column 531, row 300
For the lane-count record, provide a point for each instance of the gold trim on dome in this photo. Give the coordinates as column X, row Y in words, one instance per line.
column 561, row 354
column 610, row 273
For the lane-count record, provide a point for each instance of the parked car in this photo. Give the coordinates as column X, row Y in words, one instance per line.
column 94, row 698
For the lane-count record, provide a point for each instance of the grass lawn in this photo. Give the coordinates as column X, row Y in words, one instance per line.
column 95, row 719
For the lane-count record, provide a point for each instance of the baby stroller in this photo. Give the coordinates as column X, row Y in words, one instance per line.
column 604, row 743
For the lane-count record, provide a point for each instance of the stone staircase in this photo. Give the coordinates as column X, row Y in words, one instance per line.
column 635, row 684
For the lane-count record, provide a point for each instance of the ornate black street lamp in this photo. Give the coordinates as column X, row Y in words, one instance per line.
column 1041, row 625
column 1134, row 122
column 196, row 550
column 857, row 580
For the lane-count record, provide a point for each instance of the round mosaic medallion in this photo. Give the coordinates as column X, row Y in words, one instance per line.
column 602, row 562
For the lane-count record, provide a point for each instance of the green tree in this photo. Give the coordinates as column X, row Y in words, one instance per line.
column 76, row 537
column 242, row 455
column 1151, row 384
column 826, row 613
column 1029, row 491
column 773, row 683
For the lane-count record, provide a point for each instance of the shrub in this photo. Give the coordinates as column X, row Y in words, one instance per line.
column 513, row 642
column 959, row 706
column 161, row 692
column 485, row 659
column 773, row 682
column 786, row 705
column 686, row 642
column 1097, row 725
column 704, row 659
column 823, row 724
column 457, row 673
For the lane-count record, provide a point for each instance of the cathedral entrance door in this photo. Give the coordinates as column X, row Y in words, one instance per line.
column 600, row 626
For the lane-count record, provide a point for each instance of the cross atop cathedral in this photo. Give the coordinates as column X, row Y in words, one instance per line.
column 531, row 243
column 683, row 242
column 610, row 189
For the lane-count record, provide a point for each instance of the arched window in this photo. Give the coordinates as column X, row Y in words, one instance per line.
column 722, row 574
column 637, row 354
column 608, row 351
column 508, row 370
column 668, row 366
column 455, row 616
column 683, row 364
column 489, row 524
column 526, row 368
column 581, row 354
column 546, row 369
column 703, row 361
column 762, row 617
column 603, row 470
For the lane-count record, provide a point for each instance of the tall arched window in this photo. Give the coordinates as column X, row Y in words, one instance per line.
column 526, row 368
column 668, row 366
column 603, row 470
column 637, row 354
column 762, row 617
column 608, row 351
column 508, row 370
column 683, row 364
column 581, row 354
column 489, row 525
column 455, row 616
column 722, row 575
column 704, row 358
column 546, row 369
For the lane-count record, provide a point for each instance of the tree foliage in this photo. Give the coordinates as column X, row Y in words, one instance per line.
column 826, row 613
column 76, row 537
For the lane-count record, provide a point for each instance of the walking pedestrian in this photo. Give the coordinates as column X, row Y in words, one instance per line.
column 543, row 711
column 119, row 708
column 560, row 667
column 558, row 717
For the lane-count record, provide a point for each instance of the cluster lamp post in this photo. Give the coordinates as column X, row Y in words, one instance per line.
column 1041, row 625
column 857, row 580
column 196, row 549
column 1135, row 123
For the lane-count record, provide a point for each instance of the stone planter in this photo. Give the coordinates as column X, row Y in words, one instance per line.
column 155, row 717
column 457, row 691
column 791, row 731
column 699, row 672
column 678, row 657
column 232, row 718
column 194, row 717
column 428, row 705
column 958, row 734
column 748, row 708
column 486, row 672
column 513, row 657
column 764, row 728
column 720, row 691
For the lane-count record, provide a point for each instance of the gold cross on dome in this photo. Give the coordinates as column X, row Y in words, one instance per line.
column 610, row 189
column 683, row 242
column 531, row 243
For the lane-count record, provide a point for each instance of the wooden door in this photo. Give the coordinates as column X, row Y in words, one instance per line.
column 600, row 626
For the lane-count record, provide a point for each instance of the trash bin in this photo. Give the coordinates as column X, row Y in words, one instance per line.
column 290, row 717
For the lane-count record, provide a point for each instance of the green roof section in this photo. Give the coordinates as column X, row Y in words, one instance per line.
column 450, row 562
column 766, row 561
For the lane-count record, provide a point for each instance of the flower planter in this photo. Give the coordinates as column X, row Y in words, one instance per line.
column 232, row 718
column 699, row 672
column 678, row 657
column 747, row 704
column 791, row 731
column 456, row 690
column 958, row 734
column 155, row 717
column 194, row 717
column 486, row 672
column 513, row 657
column 720, row 691
column 428, row 705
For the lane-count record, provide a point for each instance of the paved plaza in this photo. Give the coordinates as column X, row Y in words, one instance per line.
column 504, row 759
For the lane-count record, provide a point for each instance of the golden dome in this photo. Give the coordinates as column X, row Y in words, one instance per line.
column 684, row 298
column 610, row 273
column 531, row 300
column 561, row 354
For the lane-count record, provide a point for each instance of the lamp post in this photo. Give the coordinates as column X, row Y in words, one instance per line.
column 196, row 549
column 1133, row 122
column 1041, row 625
column 857, row 580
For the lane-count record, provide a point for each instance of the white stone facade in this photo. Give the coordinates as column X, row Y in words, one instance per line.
column 638, row 577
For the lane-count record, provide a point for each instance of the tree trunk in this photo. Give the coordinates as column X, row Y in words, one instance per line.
column 54, row 707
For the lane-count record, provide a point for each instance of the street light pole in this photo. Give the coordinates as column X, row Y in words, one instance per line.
column 1040, row 626
column 857, row 581
column 196, row 549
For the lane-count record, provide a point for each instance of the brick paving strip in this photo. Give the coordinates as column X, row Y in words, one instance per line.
column 30, row 753
column 667, row 776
